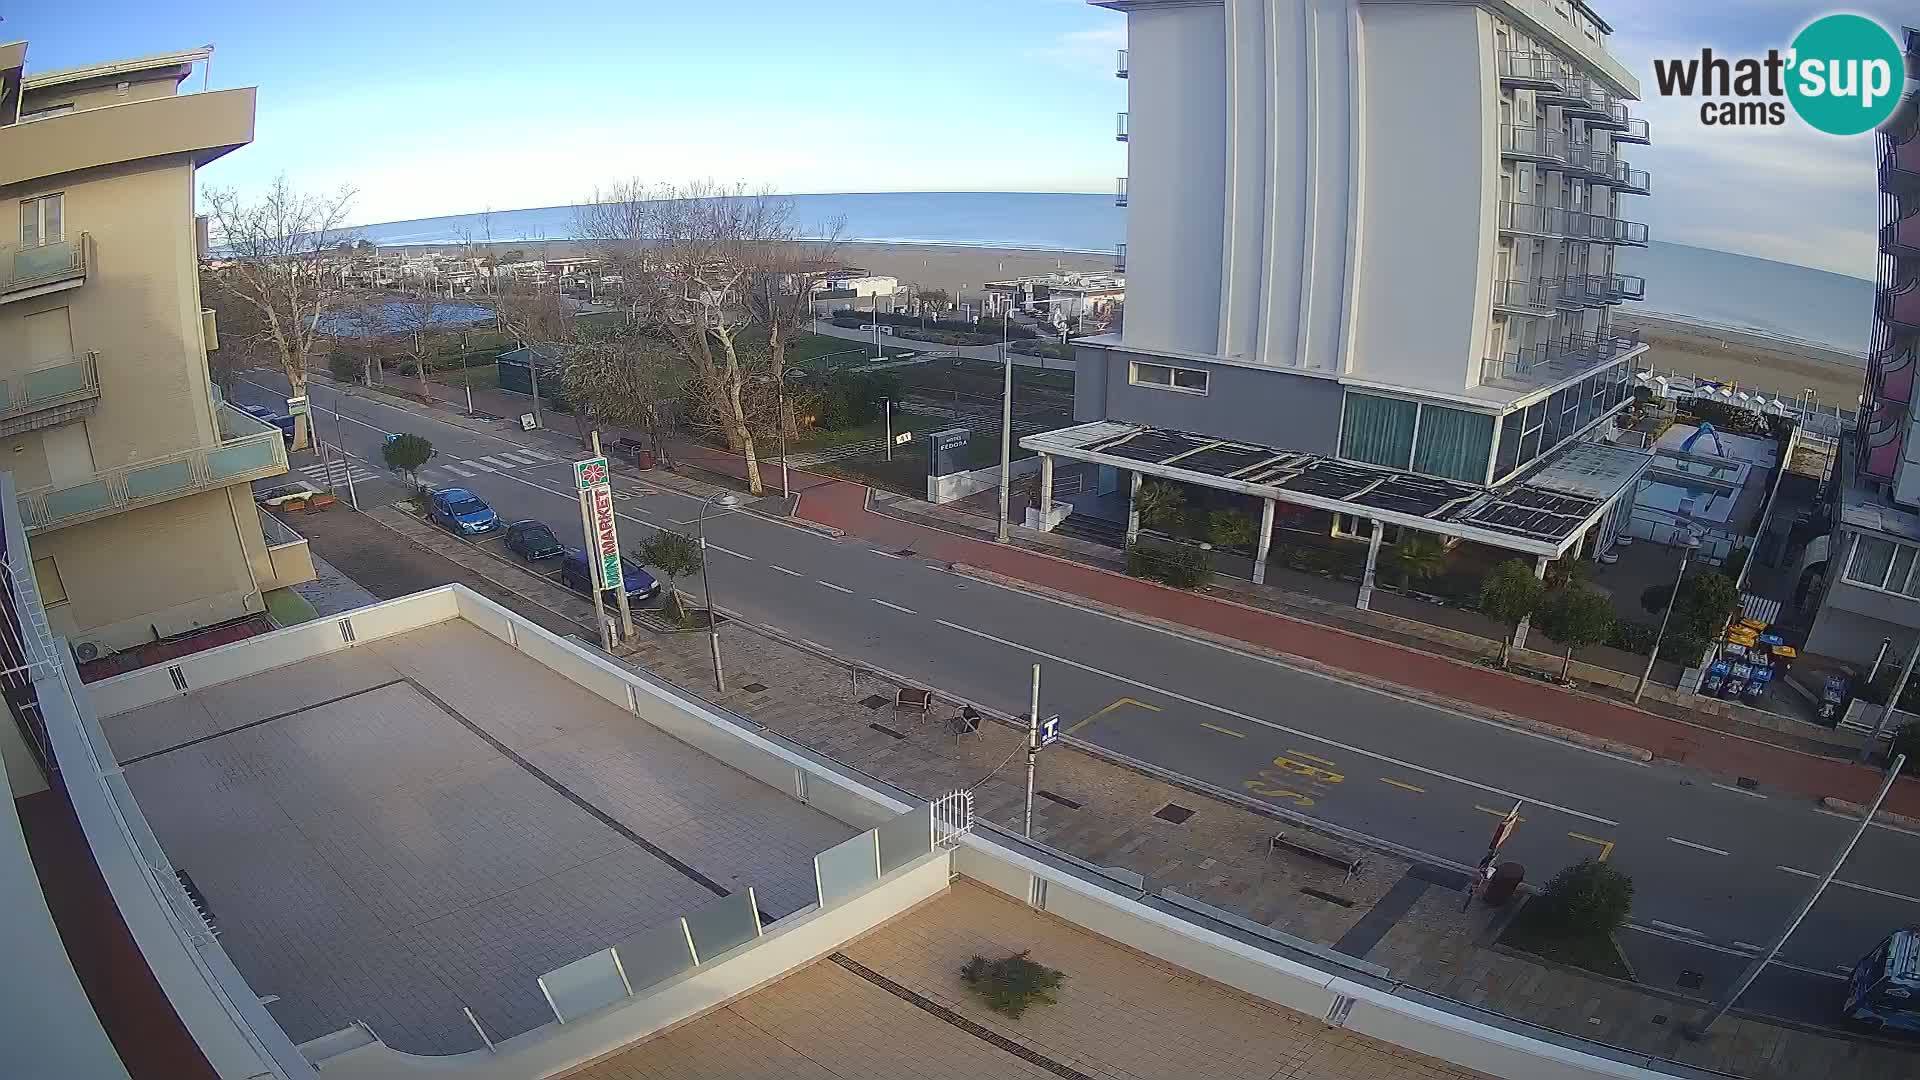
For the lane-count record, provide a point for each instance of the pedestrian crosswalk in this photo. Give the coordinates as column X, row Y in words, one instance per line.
column 467, row 468
column 335, row 473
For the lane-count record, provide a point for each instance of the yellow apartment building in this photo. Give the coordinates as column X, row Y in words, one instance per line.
column 132, row 475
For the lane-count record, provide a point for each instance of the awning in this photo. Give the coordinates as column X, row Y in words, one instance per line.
column 1543, row 513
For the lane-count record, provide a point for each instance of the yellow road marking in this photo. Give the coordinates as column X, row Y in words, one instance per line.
column 1310, row 757
column 1403, row 785
column 1606, row 846
column 1110, row 708
column 1221, row 730
column 1495, row 813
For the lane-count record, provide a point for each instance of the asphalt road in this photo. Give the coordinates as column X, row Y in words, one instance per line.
column 1716, row 869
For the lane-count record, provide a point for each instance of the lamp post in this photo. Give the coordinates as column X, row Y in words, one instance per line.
column 1006, row 415
column 1687, row 547
column 353, row 498
column 727, row 499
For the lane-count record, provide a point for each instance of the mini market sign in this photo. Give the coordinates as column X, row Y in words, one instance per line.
column 596, row 505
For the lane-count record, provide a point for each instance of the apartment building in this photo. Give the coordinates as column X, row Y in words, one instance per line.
column 1376, row 234
column 132, row 476
column 1870, row 590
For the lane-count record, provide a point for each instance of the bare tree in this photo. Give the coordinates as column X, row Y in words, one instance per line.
column 687, row 259
column 281, row 248
column 242, row 331
column 631, row 378
column 417, row 317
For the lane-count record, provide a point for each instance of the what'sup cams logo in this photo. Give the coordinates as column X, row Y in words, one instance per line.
column 1842, row 75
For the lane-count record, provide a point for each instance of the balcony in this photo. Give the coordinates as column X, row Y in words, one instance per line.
column 48, row 395
column 1120, row 191
column 1120, row 127
column 289, row 562
column 1575, row 93
column 1120, row 258
column 1630, row 129
column 1533, row 366
column 1900, row 166
column 1600, row 290
column 1901, row 307
column 249, row 450
column 1535, row 298
column 50, row 268
column 1120, row 64
column 1523, row 143
column 1532, row 219
column 1612, row 230
column 1902, row 238
column 1532, row 70
column 200, row 126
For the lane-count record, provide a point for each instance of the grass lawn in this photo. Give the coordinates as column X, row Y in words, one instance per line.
column 902, row 421
column 804, row 350
column 1595, row 953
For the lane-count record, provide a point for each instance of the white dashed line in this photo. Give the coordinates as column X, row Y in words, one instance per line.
column 477, row 465
column 730, row 551
column 502, row 464
column 1676, row 928
column 1853, row 885
column 831, row 585
column 1697, row 847
column 895, row 607
column 784, row 570
column 1740, row 791
column 457, row 470
column 883, row 554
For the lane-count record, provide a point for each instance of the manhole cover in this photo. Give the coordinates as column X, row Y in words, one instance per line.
column 1061, row 799
column 754, row 687
column 1691, row 980
column 1660, row 1020
column 885, row 730
column 1174, row 812
column 876, row 701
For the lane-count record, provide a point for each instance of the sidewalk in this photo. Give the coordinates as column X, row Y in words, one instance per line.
column 1396, row 913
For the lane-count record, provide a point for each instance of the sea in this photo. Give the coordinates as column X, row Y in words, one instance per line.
column 1717, row 288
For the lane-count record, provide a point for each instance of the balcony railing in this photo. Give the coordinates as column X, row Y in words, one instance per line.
column 249, row 450
column 1524, row 297
column 1120, row 64
column 1574, row 93
column 1532, row 219
column 289, row 559
column 1532, row 143
column 35, row 268
column 1535, row 365
column 1612, row 230
column 1631, row 129
column 1532, row 70
column 1120, row 258
column 1120, row 191
column 1120, row 127
column 24, row 394
column 1902, row 237
column 1599, row 290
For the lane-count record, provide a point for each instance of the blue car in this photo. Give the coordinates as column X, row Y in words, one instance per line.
column 577, row 575
column 266, row 415
column 461, row 511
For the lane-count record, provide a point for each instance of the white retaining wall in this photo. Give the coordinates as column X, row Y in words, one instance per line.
column 956, row 486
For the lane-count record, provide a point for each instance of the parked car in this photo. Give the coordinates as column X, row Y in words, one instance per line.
column 298, row 495
column 532, row 540
column 461, row 511
column 266, row 415
column 577, row 575
column 868, row 328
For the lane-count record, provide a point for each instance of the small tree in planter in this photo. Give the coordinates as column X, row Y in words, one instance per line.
column 1419, row 556
column 675, row 555
column 1509, row 594
column 1232, row 529
column 1010, row 984
column 1576, row 617
column 406, row 454
column 1588, row 899
column 1161, row 506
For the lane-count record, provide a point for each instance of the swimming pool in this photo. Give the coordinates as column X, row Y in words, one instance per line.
column 1710, row 502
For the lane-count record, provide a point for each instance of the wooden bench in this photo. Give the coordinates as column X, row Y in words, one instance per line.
column 1302, row 842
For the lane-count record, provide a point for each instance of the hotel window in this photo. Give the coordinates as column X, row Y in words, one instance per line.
column 1167, row 377
column 1430, row 439
column 1883, row 564
column 40, row 222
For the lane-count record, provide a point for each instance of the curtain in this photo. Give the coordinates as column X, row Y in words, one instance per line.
column 1377, row 430
column 1453, row 444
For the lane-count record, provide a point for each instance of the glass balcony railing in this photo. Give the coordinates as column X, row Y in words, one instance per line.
column 1537, row 365
column 249, row 450
column 1532, row 143
column 1120, row 63
column 1524, row 297
column 23, row 393
column 1630, row 128
column 1120, row 127
column 1532, row 219
column 1120, row 191
column 1532, row 70
column 48, row 264
column 1120, row 258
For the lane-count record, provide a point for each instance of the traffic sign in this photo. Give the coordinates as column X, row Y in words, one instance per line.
column 1050, row 730
column 903, row 438
column 297, row 406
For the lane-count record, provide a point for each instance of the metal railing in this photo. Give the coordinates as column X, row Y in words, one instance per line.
column 1535, row 69
column 249, row 450
column 62, row 384
column 1120, row 127
column 277, row 532
column 1120, row 63
column 1120, row 191
column 1559, row 358
column 1588, row 99
column 1631, row 129
column 1538, row 220
column 44, row 265
column 1612, row 230
column 1120, row 257
column 1524, row 297
column 1537, row 143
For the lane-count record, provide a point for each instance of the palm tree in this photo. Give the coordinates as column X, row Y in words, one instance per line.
column 1419, row 556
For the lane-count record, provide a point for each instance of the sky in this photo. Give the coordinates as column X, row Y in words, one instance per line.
column 428, row 108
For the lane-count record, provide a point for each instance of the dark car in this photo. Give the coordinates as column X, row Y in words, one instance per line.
column 576, row 574
column 461, row 511
column 266, row 415
column 532, row 540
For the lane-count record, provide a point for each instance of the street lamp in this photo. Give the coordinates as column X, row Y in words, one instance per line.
column 1006, row 412
column 1688, row 545
column 729, row 500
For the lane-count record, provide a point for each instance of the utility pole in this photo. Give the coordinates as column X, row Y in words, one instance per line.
column 1893, row 700
column 1687, row 548
column 533, row 377
column 1033, row 746
column 888, row 405
column 353, row 498
column 1720, row 1007
column 1006, row 427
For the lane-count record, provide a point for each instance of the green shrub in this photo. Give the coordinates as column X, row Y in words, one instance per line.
column 1183, row 568
column 1232, row 529
column 1907, row 741
column 1588, row 899
column 344, row 367
column 1012, row 983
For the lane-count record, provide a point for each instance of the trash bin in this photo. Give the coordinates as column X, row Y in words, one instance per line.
column 643, row 459
column 1506, row 878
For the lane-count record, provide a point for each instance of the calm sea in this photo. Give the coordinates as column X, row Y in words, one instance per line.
column 1694, row 283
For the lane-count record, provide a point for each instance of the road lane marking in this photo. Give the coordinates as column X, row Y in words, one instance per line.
column 895, row 607
column 493, row 460
column 883, row 554
column 1498, row 813
column 1740, row 791
column 1855, row 818
column 1745, row 949
column 1110, row 708
column 1251, row 719
column 1853, row 885
column 1697, row 847
column 784, row 570
column 1310, row 757
column 1676, row 928
column 1221, row 730
column 476, row 465
column 1606, row 846
column 457, row 470
column 831, row 585
column 730, row 551
column 1403, row 785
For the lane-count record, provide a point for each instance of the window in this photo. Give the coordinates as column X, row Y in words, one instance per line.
column 1378, row 430
column 1166, row 377
column 40, row 222
column 1356, row 527
column 1878, row 563
column 1453, row 443
column 1431, row 439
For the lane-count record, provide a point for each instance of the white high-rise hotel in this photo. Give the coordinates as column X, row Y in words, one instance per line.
column 1381, row 232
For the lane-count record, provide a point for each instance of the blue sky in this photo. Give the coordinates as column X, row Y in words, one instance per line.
column 430, row 110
